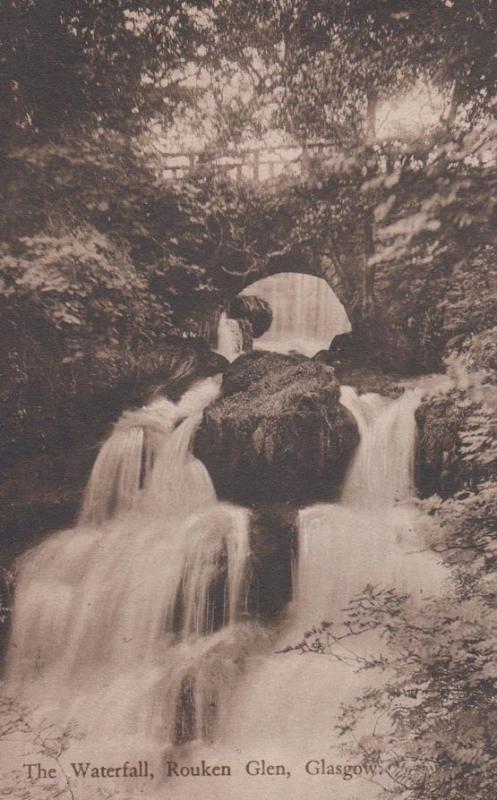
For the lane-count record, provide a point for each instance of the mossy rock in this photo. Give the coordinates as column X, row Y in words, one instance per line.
column 439, row 468
column 278, row 432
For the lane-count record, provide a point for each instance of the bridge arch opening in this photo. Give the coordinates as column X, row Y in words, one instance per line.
column 307, row 315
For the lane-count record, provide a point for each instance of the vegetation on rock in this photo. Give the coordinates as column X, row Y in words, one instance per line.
column 278, row 432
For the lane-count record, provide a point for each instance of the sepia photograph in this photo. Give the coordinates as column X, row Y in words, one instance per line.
column 248, row 399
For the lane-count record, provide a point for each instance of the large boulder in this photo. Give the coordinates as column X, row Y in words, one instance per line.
column 436, row 447
column 278, row 432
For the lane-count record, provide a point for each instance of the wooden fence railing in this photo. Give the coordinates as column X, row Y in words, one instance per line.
column 256, row 164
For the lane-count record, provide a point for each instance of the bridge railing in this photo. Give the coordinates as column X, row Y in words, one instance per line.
column 256, row 164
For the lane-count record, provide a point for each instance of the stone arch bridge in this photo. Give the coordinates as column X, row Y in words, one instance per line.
column 343, row 261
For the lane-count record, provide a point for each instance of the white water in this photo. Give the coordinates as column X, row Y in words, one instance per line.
column 286, row 709
column 124, row 465
column 229, row 337
column 306, row 313
column 117, row 626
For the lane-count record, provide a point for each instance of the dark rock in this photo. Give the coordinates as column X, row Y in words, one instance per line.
column 247, row 335
column 254, row 309
column 342, row 348
column 185, row 365
column 371, row 379
column 456, row 343
column 439, row 467
column 278, row 433
column 273, row 546
column 324, row 357
column 344, row 351
column 249, row 368
column 383, row 340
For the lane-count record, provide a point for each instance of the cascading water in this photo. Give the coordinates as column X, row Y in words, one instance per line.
column 306, row 313
column 286, row 709
column 124, row 463
column 229, row 337
column 136, row 627
column 369, row 536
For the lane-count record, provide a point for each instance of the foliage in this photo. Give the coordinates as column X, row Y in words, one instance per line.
column 19, row 726
column 478, row 359
column 457, row 445
column 463, row 530
column 70, row 281
column 315, row 69
column 435, row 248
column 430, row 724
column 476, row 395
column 308, row 69
column 425, row 204
column 25, row 738
column 99, row 269
column 439, row 697
column 127, row 63
column 86, row 62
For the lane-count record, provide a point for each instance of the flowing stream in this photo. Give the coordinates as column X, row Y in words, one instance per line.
column 135, row 625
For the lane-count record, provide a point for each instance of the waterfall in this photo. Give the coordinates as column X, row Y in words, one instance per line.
column 229, row 337
column 306, row 313
column 124, row 463
column 136, row 627
column 135, row 624
column 287, row 707
column 368, row 537
column 382, row 473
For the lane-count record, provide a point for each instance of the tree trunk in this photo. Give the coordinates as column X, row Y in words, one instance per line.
column 368, row 298
column 369, row 268
column 457, row 96
column 372, row 104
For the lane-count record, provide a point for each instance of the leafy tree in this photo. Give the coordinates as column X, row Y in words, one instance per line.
column 87, row 62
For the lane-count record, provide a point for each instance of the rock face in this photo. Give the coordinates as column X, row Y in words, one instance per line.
column 253, row 309
column 247, row 335
column 273, row 546
column 278, row 432
column 438, row 463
